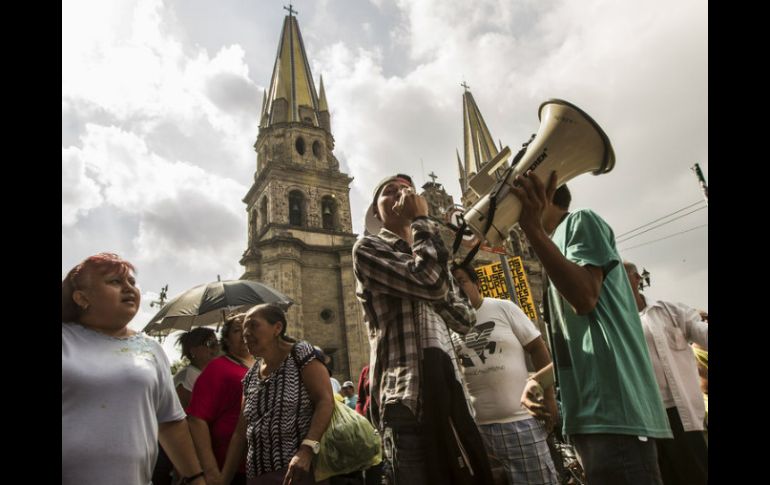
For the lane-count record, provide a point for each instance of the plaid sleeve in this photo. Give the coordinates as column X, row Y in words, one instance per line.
column 455, row 310
column 422, row 275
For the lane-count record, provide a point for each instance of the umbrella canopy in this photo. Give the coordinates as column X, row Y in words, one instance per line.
column 209, row 304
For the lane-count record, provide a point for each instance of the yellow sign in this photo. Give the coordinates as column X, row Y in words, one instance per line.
column 492, row 284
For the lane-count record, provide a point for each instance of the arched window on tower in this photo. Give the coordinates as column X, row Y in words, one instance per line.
column 296, row 208
column 329, row 212
column 263, row 212
column 253, row 226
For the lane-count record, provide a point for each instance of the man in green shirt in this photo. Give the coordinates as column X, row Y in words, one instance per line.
column 611, row 403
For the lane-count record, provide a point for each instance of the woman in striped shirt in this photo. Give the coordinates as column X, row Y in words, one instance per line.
column 287, row 404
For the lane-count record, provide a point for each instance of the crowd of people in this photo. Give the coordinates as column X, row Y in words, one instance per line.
column 447, row 385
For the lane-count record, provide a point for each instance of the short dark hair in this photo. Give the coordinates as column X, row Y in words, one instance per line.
column 194, row 338
column 562, row 197
column 468, row 269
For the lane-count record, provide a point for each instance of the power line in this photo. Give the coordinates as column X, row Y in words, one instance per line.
column 669, row 236
column 656, row 220
column 661, row 224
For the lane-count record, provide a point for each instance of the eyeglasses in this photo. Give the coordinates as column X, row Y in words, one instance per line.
column 211, row 343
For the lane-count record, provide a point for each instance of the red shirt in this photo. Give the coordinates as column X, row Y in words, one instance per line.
column 364, row 399
column 216, row 399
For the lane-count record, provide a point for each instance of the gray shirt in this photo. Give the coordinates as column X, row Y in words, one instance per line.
column 115, row 391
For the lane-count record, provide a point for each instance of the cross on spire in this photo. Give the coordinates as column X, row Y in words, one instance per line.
column 463, row 84
column 290, row 9
column 433, row 176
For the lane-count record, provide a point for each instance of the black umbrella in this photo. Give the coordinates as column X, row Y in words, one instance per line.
column 209, row 304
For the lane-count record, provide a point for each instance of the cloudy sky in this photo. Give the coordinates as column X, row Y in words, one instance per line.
column 161, row 100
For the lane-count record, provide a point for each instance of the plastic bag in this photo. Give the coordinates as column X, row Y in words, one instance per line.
column 350, row 443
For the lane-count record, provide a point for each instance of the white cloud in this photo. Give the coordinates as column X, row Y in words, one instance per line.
column 183, row 210
column 79, row 192
column 160, row 106
column 639, row 69
column 145, row 81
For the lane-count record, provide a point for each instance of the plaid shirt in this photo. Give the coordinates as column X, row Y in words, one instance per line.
column 408, row 294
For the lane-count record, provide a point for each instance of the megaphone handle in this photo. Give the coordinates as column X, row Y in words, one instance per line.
column 502, row 187
column 522, row 151
column 504, row 179
column 458, row 238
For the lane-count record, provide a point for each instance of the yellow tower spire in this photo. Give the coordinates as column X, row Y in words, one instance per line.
column 479, row 145
column 322, row 106
column 463, row 173
column 263, row 115
column 292, row 96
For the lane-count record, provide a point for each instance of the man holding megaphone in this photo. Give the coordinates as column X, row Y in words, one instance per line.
column 611, row 403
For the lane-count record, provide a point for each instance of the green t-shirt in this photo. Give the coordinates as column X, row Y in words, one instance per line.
column 603, row 368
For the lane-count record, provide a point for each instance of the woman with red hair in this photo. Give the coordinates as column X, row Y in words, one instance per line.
column 118, row 396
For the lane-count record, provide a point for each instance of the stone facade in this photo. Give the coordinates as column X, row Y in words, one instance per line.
column 311, row 262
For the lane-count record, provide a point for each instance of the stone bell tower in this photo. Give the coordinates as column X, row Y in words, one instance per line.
column 300, row 236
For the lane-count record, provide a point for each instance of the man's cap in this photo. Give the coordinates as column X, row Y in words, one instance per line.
column 348, row 384
column 372, row 225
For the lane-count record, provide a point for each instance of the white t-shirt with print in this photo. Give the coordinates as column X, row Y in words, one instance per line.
column 493, row 360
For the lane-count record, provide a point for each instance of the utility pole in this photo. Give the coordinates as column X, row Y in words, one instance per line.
column 160, row 302
column 696, row 168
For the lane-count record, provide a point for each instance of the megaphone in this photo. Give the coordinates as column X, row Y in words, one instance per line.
column 568, row 141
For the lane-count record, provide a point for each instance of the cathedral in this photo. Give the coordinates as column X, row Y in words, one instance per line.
column 300, row 236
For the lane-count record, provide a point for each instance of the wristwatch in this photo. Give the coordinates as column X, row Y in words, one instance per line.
column 315, row 446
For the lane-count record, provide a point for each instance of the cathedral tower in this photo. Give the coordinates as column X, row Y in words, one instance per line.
column 300, row 236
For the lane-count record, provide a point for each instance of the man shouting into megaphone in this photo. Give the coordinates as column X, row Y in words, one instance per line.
column 611, row 403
